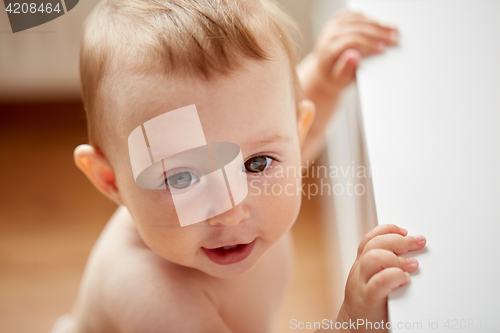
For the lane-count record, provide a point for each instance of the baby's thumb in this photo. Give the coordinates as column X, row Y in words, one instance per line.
column 344, row 69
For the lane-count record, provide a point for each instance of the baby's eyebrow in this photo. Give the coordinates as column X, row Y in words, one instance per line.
column 266, row 141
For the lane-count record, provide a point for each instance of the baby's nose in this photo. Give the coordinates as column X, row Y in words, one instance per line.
column 235, row 215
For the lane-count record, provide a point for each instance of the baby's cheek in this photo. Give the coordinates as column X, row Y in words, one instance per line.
column 173, row 244
column 290, row 200
column 278, row 202
column 161, row 231
column 154, row 208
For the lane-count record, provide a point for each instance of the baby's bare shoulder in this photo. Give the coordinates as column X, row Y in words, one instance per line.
column 138, row 291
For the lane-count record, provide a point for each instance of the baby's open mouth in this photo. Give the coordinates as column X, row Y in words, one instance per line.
column 231, row 254
column 225, row 248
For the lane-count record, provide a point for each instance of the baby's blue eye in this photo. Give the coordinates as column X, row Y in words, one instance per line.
column 258, row 163
column 181, row 180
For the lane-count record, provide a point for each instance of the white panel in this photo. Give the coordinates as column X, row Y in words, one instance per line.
column 431, row 112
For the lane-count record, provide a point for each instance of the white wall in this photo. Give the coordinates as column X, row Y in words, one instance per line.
column 41, row 63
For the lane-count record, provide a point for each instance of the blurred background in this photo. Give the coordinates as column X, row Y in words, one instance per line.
column 50, row 215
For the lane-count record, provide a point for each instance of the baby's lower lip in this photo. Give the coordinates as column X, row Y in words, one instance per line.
column 229, row 257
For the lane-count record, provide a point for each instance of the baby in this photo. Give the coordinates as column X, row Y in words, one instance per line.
column 234, row 61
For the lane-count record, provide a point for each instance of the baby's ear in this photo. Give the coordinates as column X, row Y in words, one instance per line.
column 98, row 170
column 305, row 117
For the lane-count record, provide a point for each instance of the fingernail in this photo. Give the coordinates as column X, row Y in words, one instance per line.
column 393, row 35
column 403, row 230
column 419, row 238
column 412, row 261
column 407, row 276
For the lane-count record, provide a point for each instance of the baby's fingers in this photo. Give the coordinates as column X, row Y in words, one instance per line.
column 383, row 283
column 348, row 17
column 356, row 41
column 396, row 243
column 376, row 260
column 372, row 31
column 380, row 230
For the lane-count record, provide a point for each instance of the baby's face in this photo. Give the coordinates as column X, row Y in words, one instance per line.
column 254, row 109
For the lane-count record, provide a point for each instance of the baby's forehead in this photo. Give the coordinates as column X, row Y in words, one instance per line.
column 260, row 94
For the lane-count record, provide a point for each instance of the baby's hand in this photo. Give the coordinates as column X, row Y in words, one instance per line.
column 342, row 42
column 377, row 271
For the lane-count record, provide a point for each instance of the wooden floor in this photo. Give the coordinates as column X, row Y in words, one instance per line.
column 50, row 216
